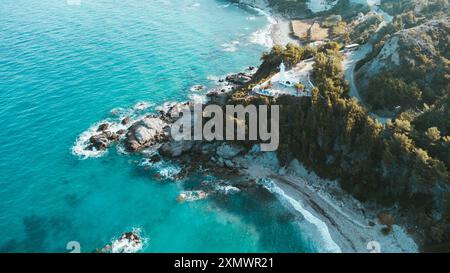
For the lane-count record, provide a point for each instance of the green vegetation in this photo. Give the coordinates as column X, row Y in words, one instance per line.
column 388, row 92
column 290, row 55
column 339, row 32
column 423, row 72
column 327, row 73
column 364, row 30
column 431, row 7
column 334, row 135
column 432, row 130
column 404, row 162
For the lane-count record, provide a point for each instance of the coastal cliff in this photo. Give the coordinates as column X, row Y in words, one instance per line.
column 388, row 167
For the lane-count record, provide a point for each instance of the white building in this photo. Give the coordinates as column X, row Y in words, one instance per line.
column 282, row 79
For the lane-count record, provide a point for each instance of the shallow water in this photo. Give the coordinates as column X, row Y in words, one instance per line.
column 65, row 67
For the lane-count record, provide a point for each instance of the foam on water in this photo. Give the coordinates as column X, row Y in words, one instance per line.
column 197, row 98
column 114, row 124
column 328, row 244
column 197, row 87
column 230, row 47
column 191, row 196
column 60, row 83
column 122, row 245
column 263, row 36
column 166, row 170
column 82, row 141
column 226, row 189
column 142, row 105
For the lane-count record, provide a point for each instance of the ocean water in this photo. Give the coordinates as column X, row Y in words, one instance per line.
column 65, row 67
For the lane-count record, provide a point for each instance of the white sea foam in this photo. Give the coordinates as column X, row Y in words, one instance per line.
column 197, row 87
column 226, row 189
column 328, row 244
column 263, row 36
column 197, row 98
column 191, row 196
column 230, row 47
column 119, row 111
column 213, row 78
column 114, row 125
column 164, row 169
column 123, row 245
column 166, row 106
column 82, row 141
column 142, row 105
column 170, row 171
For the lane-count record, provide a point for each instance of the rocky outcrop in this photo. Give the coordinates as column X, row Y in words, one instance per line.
column 102, row 141
column 219, row 95
column 171, row 111
column 420, row 46
column 239, row 78
column 145, row 133
column 104, row 137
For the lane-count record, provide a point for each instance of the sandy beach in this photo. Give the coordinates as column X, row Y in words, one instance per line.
column 344, row 224
column 281, row 32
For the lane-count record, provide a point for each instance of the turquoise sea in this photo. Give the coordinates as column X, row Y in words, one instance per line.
column 65, row 67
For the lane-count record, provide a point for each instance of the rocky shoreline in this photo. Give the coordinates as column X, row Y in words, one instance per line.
column 245, row 169
column 150, row 134
column 342, row 226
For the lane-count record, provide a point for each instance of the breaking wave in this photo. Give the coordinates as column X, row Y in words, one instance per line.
column 328, row 244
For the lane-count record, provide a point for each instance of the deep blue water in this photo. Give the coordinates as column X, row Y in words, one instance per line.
column 64, row 68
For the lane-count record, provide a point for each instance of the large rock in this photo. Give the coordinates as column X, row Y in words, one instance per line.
column 219, row 95
column 102, row 141
column 239, row 78
column 103, row 127
column 144, row 133
column 171, row 111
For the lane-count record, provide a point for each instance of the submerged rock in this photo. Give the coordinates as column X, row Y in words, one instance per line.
column 155, row 158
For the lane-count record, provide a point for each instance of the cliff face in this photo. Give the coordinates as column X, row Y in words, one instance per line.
column 414, row 47
column 419, row 54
